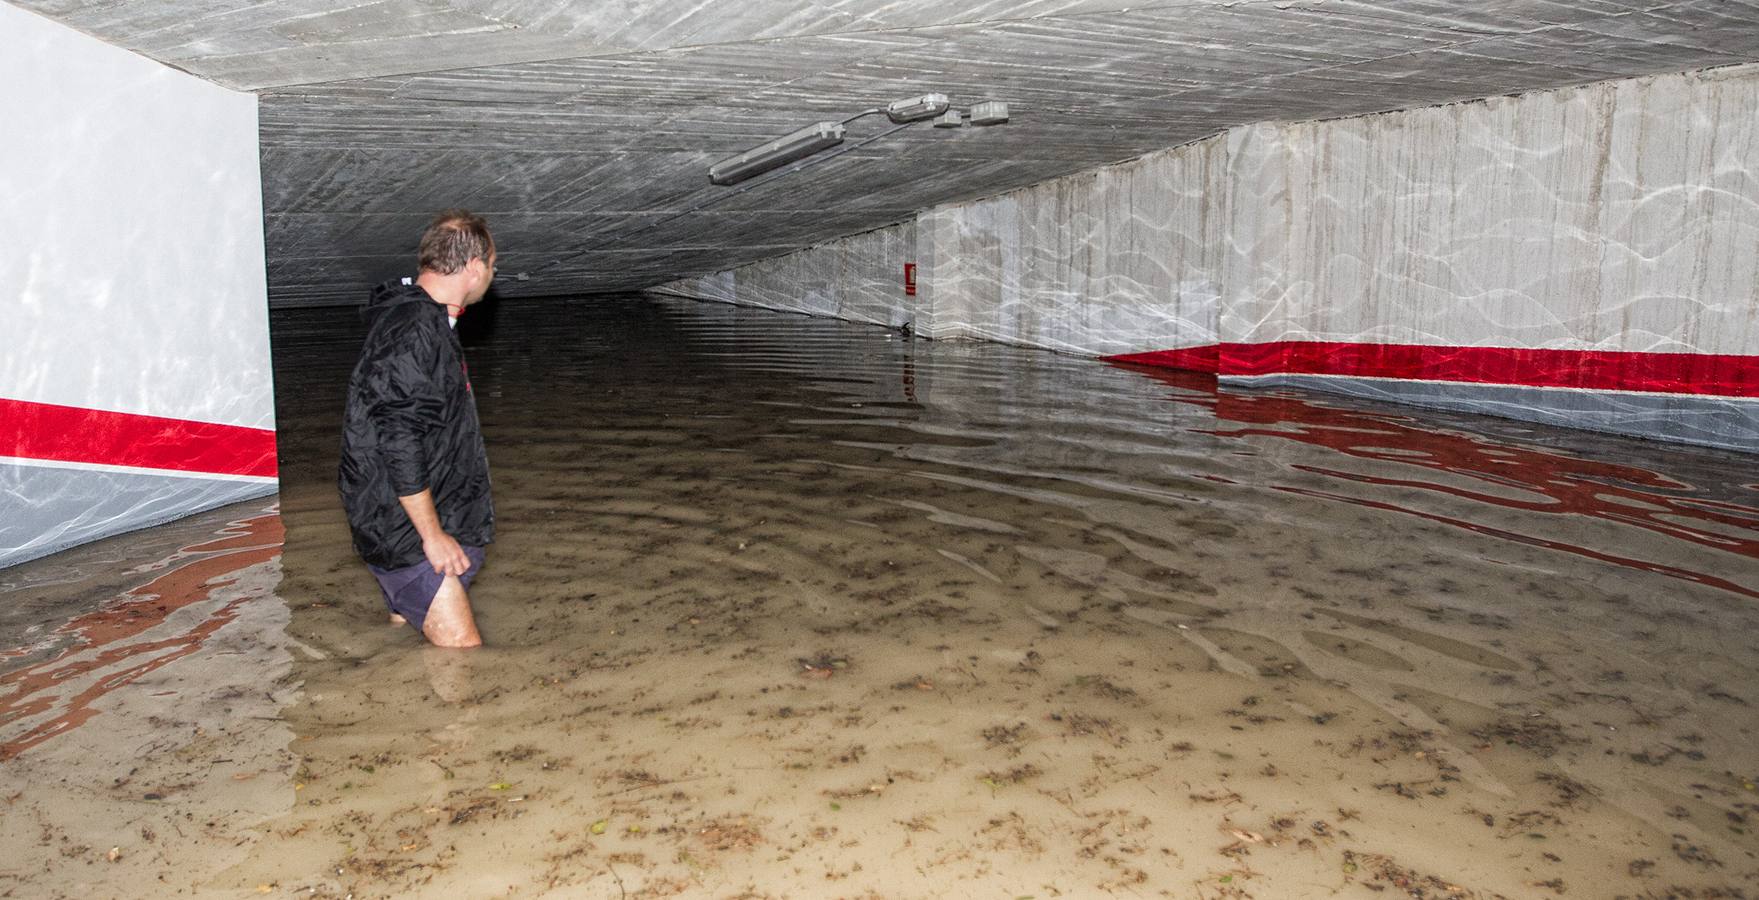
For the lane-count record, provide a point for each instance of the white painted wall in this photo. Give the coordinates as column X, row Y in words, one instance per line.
column 131, row 272
column 859, row 278
column 132, row 277
column 1618, row 216
column 1104, row 262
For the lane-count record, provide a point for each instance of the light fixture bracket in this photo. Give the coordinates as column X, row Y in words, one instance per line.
column 989, row 112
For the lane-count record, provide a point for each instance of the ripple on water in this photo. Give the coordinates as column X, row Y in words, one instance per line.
column 780, row 603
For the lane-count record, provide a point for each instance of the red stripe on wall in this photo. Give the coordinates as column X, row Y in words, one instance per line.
column 1195, row 359
column 1599, row 370
column 75, row 434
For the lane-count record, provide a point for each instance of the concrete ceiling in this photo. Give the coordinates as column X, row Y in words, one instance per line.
column 582, row 129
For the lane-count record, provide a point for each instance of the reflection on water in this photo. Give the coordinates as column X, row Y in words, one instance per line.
column 1540, row 480
column 790, row 607
column 124, row 639
column 141, row 684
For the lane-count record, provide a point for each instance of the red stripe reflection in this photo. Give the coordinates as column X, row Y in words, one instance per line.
column 105, row 642
column 1482, row 470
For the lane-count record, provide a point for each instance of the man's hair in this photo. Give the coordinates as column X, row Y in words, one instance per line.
column 453, row 239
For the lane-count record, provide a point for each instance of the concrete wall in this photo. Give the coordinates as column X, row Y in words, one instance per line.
column 859, row 278
column 1587, row 257
column 136, row 382
column 1106, row 262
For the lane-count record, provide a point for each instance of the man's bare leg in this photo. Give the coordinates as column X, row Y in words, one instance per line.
column 398, row 620
column 449, row 622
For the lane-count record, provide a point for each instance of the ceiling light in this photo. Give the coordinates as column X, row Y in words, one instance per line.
column 989, row 112
column 779, row 152
column 823, row 135
column 916, row 109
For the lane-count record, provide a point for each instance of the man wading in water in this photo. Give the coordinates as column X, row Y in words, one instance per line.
column 414, row 475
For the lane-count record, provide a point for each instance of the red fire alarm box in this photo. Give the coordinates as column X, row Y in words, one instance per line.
column 909, row 279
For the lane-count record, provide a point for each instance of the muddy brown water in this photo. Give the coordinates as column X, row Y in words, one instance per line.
column 788, row 607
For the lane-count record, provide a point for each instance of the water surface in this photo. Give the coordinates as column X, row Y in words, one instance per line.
column 783, row 606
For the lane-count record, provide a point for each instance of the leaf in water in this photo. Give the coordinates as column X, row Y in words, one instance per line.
column 599, row 826
column 500, row 786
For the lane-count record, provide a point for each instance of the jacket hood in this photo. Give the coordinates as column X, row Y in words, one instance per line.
column 394, row 293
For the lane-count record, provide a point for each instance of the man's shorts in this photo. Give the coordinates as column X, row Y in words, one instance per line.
column 409, row 591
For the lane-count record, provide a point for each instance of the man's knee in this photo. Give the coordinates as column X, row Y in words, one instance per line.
column 456, row 638
column 450, row 622
column 449, row 632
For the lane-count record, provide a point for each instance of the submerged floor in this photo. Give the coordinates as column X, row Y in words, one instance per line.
column 785, row 607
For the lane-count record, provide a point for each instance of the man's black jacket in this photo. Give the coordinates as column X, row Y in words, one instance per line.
column 411, row 424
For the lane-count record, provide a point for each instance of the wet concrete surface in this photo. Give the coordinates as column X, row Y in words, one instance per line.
column 785, row 607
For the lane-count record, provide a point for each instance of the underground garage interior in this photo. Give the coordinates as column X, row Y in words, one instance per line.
column 1205, row 448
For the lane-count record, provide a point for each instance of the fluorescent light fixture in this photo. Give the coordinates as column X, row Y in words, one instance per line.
column 989, row 112
column 916, row 109
column 777, row 153
column 952, row 118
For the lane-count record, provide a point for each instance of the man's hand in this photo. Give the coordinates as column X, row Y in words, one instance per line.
column 445, row 555
column 441, row 549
